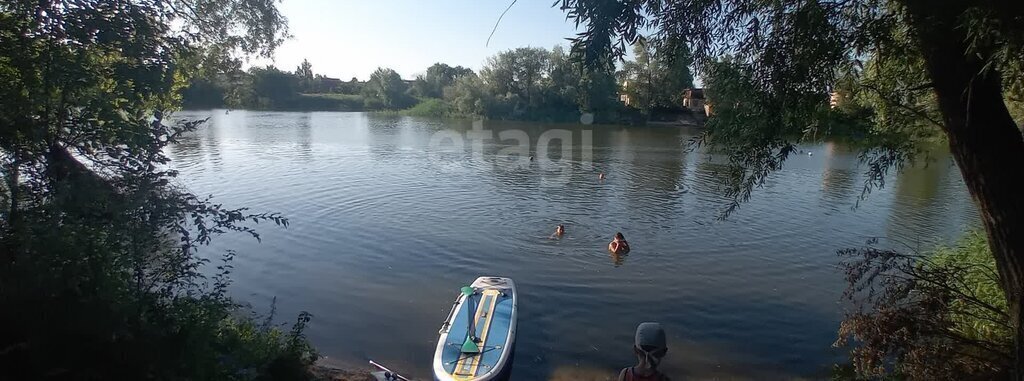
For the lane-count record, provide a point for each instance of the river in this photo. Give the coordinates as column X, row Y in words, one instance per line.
column 389, row 216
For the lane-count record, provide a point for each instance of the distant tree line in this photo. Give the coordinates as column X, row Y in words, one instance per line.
column 526, row 83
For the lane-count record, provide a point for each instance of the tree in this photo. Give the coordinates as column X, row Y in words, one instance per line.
column 468, row 96
column 641, row 80
column 438, row 77
column 99, row 274
column 674, row 61
column 307, row 81
column 517, row 72
column 562, row 88
column 659, row 73
column 387, row 87
column 531, row 84
column 787, row 52
column 573, row 87
column 599, row 90
column 273, row 87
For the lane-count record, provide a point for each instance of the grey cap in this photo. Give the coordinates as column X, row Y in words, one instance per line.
column 650, row 334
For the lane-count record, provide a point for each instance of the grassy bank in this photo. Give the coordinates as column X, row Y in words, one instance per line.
column 319, row 102
column 978, row 279
column 330, row 102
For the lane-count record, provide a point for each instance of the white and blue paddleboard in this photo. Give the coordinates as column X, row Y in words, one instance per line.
column 478, row 338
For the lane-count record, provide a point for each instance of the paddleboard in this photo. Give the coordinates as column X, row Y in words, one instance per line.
column 478, row 338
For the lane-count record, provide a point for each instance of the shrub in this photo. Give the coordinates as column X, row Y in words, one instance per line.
column 430, row 107
column 372, row 103
column 103, row 279
column 934, row 316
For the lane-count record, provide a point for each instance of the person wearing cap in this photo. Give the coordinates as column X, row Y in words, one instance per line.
column 649, row 346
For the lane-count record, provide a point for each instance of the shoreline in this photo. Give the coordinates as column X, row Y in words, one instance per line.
column 679, row 123
column 327, row 370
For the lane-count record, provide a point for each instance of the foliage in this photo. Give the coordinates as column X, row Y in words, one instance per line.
column 431, row 107
column 101, row 275
column 437, row 78
column 658, row 74
column 984, row 320
column 517, row 73
column 469, row 96
column 307, row 81
column 753, row 139
column 673, row 55
column 387, row 88
column 938, row 316
column 535, row 84
column 203, row 94
column 272, row 87
column 790, row 54
column 269, row 88
column 524, row 83
column 956, row 58
column 328, row 102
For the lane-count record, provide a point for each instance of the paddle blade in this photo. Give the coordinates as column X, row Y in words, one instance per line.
column 470, row 346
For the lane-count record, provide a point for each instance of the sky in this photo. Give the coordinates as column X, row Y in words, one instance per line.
column 346, row 38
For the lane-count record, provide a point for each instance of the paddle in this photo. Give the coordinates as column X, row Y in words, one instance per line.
column 470, row 346
column 386, row 374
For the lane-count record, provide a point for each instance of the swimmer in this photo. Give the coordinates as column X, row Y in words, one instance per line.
column 618, row 245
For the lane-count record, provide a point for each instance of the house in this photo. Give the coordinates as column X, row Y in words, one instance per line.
column 328, row 82
column 623, row 96
column 693, row 99
column 834, row 99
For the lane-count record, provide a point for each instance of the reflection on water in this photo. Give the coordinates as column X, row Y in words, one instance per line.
column 837, row 178
column 573, row 373
column 385, row 228
column 618, row 258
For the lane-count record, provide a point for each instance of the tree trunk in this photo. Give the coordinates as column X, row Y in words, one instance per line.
column 13, row 215
column 984, row 141
column 13, row 181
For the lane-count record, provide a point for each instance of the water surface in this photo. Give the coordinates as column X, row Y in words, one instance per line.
column 386, row 225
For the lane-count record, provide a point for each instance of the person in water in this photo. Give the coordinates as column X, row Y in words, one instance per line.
column 560, row 230
column 600, row 176
column 649, row 347
column 619, row 244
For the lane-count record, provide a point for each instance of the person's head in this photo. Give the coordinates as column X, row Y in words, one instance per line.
column 649, row 343
column 619, row 236
column 561, row 227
